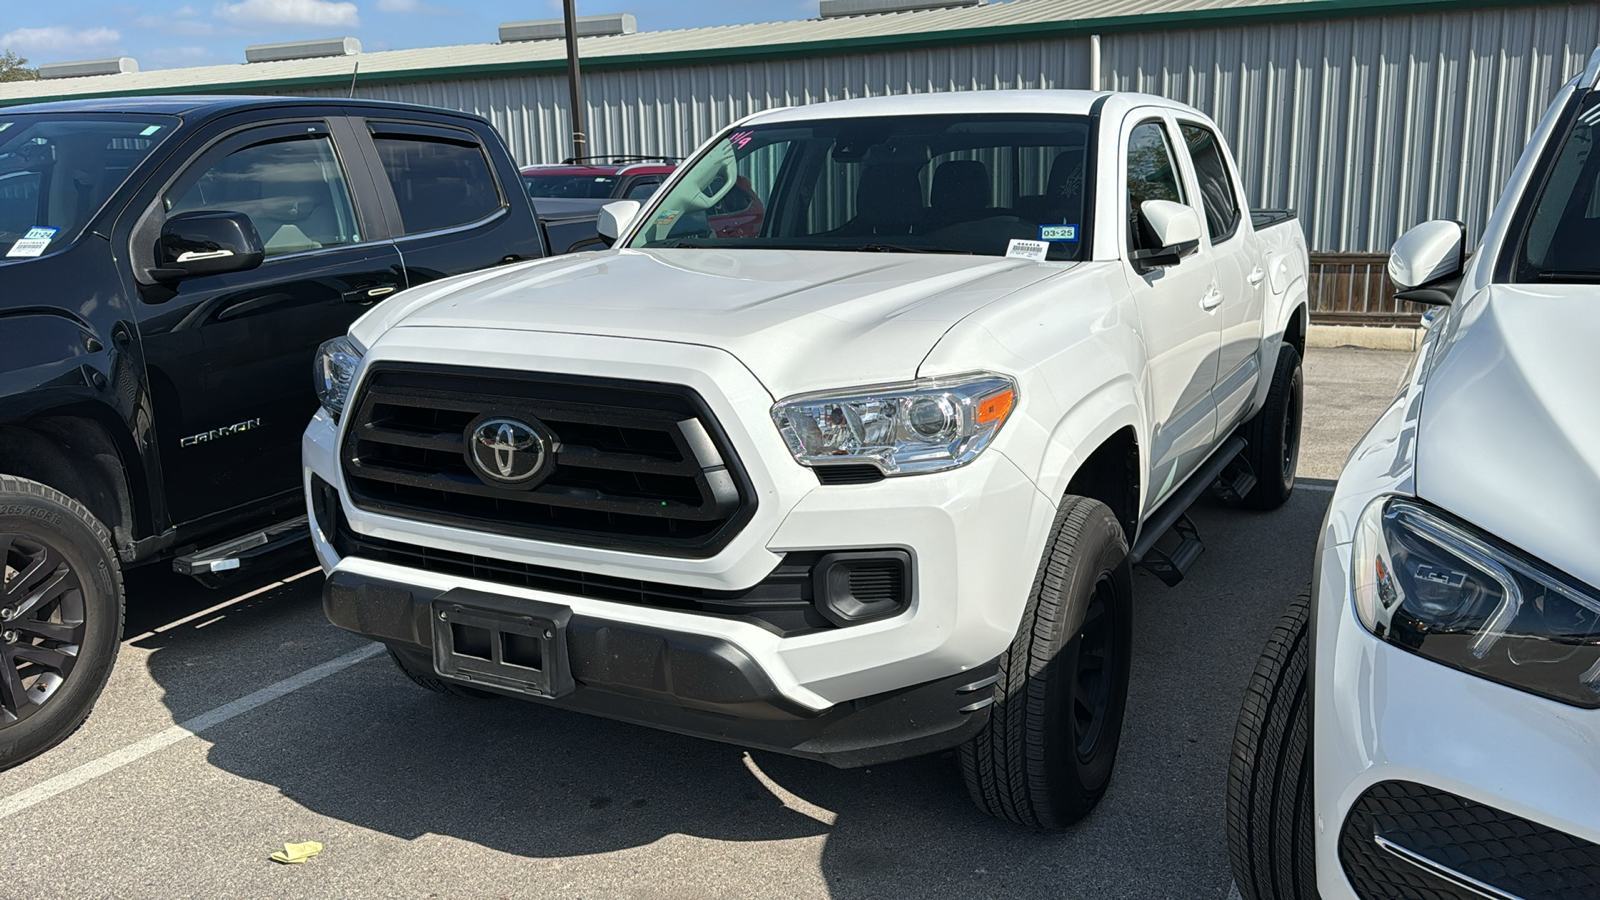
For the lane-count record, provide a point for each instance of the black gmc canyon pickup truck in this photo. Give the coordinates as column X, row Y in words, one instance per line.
column 168, row 268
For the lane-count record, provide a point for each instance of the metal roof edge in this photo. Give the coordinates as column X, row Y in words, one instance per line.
column 1304, row 10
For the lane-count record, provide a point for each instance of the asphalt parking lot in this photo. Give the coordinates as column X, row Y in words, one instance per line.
column 305, row 733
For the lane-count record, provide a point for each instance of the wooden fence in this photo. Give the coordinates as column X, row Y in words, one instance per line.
column 1354, row 289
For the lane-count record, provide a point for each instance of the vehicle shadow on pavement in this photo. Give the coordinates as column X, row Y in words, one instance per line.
column 368, row 748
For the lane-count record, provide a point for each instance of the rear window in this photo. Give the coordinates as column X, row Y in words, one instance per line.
column 438, row 183
column 58, row 170
column 572, row 187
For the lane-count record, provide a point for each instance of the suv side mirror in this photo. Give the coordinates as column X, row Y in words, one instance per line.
column 615, row 218
column 1427, row 262
column 1176, row 227
column 207, row 243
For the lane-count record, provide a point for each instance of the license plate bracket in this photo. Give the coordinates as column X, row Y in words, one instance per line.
column 509, row 644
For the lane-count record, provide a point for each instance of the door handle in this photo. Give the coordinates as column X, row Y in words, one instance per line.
column 371, row 293
column 1258, row 276
column 1212, row 299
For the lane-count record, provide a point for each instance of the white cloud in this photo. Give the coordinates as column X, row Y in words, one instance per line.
column 58, row 40
column 290, row 12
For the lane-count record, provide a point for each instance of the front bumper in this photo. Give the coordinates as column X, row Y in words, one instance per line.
column 1460, row 768
column 686, row 683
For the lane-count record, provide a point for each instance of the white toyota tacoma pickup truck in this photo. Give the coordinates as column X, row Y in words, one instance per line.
column 859, row 482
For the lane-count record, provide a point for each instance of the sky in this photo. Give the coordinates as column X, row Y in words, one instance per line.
column 164, row 34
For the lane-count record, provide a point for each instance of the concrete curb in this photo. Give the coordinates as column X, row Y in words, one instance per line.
column 1366, row 337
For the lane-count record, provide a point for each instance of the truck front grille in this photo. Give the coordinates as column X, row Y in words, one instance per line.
column 633, row 465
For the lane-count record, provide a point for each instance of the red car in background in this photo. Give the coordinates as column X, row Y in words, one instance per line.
column 601, row 179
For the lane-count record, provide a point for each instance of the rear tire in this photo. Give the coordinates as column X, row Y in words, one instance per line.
column 1273, row 437
column 60, row 616
column 1046, row 755
column 1271, row 841
column 425, row 678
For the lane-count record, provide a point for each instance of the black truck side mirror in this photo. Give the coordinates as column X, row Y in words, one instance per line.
column 206, row 243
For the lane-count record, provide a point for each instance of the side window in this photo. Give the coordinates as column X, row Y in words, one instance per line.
column 438, row 183
column 1216, row 184
column 292, row 189
column 643, row 190
column 1152, row 175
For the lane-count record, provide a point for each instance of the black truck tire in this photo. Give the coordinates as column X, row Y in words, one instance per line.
column 421, row 673
column 62, row 589
column 1271, row 840
column 1046, row 755
column 1272, row 438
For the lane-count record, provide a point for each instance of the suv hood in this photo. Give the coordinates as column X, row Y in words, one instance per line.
column 1510, row 429
column 799, row 320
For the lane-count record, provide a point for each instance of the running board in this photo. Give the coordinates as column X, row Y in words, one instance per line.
column 242, row 551
column 1170, row 565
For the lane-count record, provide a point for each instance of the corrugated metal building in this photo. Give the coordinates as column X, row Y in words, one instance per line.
column 1366, row 116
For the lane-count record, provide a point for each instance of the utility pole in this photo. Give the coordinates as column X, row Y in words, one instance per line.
column 580, row 140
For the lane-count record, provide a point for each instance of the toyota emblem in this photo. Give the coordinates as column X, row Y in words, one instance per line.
column 506, row 452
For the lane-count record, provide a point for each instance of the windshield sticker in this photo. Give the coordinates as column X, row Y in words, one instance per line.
column 1034, row 250
column 149, row 131
column 33, row 243
column 666, row 219
column 1058, row 234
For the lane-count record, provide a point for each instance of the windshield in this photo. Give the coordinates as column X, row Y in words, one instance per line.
column 913, row 184
column 569, row 186
column 56, row 171
column 1565, row 226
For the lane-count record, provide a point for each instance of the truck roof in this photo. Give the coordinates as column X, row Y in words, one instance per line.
column 215, row 104
column 1046, row 102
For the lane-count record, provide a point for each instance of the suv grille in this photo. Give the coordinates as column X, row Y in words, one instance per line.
column 636, row 465
column 1507, row 853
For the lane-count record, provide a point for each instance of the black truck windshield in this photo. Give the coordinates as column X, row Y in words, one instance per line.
column 56, row 171
column 900, row 184
column 1564, row 229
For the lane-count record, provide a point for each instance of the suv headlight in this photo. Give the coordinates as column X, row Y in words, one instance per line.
column 903, row 429
column 334, row 373
column 1433, row 585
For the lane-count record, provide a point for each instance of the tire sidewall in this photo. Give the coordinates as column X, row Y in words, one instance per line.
column 87, row 553
column 1078, row 784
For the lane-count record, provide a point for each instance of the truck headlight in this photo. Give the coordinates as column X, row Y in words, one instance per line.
column 1433, row 585
column 903, row 429
column 334, row 373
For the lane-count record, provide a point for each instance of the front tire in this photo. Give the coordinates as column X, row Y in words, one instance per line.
column 1271, row 841
column 1272, row 438
column 60, row 616
column 1045, row 757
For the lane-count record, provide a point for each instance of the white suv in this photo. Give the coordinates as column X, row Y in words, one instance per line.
column 1426, row 722
column 858, row 482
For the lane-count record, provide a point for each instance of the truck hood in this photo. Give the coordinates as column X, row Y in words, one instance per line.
column 799, row 320
column 1510, row 428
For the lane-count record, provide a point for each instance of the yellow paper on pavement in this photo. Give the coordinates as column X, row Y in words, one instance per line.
column 294, row 854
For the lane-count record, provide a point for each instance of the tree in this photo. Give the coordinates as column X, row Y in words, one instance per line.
column 15, row 68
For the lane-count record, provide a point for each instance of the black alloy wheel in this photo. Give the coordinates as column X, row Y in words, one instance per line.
column 60, row 616
column 1094, row 680
column 42, row 625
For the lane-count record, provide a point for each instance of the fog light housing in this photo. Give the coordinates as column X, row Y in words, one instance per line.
column 862, row 586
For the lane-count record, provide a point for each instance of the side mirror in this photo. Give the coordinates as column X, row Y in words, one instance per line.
column 1177, row 229
column 1427, row 262
column 207, row 243
column 615, row 218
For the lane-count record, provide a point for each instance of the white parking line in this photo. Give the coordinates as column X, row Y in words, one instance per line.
column 116, row 759
column 1320, row 488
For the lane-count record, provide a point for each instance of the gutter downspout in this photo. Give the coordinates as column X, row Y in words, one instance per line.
column 1094, row 62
